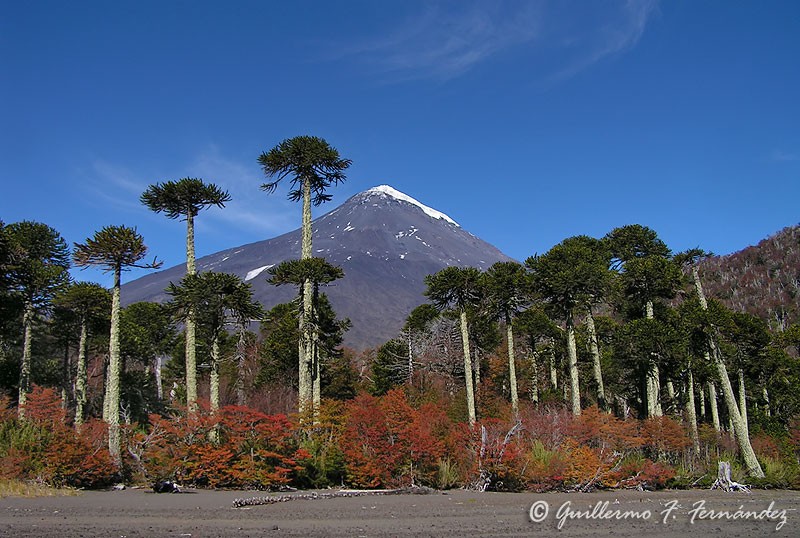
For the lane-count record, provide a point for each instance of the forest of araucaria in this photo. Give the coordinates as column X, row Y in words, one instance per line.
column 602, row 363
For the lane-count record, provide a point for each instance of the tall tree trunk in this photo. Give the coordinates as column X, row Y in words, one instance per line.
column 241, row 394
column 743, row 402
column 765, row 396
column 214, row 376
column 552, row 363
column 81, row 375
column 214, row 388
column 512, row 368
column 712, row 400
column 158, row 361
column 702, row 394
column 106, row 411
column 191, row 338
column 409, row 341
column 691, row 412
column 739, row 423
column 598, row 371
column 114, row 365
column 306, row 373
column 534, row 390
column 671, row 396
column 572, row 355
column 653, row 383
column 316, row 380
column 468, row 369
column 25, row 367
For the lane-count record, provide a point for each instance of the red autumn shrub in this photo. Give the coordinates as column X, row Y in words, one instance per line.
column 765, row 446
column 640, row 474
column 663, row 436
column 584, row 464
column 237, row 447
column 44, row 447
column 794, row 433
column 545, row 470
column 44, row 407
column 604, row 430
column 79, row 459
column 386, row 442
column 497, row 448
column 369, row 446
column 546, row 424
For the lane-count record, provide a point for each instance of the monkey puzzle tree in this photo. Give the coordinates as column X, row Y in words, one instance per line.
column 462, row 289
column 114, row 249
column 312, row 167
column 147, row 335
column 570, row 275
column 507, row 289
column 90, row 303
column 38, row 271
column 308, row 275
column 647, row 273
column 185, row 198
column 534, row 325
column 217, row 299
column 691, row 257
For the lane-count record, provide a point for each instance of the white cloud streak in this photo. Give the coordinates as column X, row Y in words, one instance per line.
column 251, row 214
column 779, row 155
column 446, row 39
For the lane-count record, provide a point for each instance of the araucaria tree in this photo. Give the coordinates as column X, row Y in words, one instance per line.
column 89, row 302
column 216, row 299
column 568, row 276
column 312, row 167
column 461, row 289
column 315, row 271
column 114, row 249
column 648, row 274
column 184, row 199
column 738, row 418
column 507, row 287
column 36, row 273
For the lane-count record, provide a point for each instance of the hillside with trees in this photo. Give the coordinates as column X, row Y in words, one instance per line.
column 608, row 362
column 762, row 280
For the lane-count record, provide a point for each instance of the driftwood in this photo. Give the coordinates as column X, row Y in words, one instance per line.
column 724, row 481
column 257, row 501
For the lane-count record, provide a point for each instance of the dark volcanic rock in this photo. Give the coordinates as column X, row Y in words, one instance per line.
column 386, row 243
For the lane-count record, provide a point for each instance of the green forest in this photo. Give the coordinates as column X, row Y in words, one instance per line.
column 602, row 363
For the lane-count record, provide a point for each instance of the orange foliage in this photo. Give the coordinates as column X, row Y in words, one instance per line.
column 664, row 435
column 640, row 474
column 604, row 430
column 765, row 445
column 387, row 442
column 254, row 450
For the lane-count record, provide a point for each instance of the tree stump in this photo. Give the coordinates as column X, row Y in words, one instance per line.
column 724, row 481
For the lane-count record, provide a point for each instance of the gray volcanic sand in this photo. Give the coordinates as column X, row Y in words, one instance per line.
column 195, row 514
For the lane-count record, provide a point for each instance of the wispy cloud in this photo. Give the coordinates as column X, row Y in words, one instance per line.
column 603, row 30
column 116, row 186
column 779, row 155
column 446, row 39
column 251, row 214
column 250, row 209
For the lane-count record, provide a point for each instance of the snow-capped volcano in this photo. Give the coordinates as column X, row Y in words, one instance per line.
column 385, row 241
column 386, row 190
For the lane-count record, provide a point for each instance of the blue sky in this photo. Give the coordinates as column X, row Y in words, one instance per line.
column 525, row 121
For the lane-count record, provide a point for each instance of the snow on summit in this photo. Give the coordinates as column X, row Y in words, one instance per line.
column 386, row 190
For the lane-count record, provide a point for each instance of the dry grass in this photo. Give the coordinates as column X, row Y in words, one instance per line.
column 19, row 488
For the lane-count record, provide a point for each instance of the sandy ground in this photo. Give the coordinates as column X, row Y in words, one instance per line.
column 142, row 513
